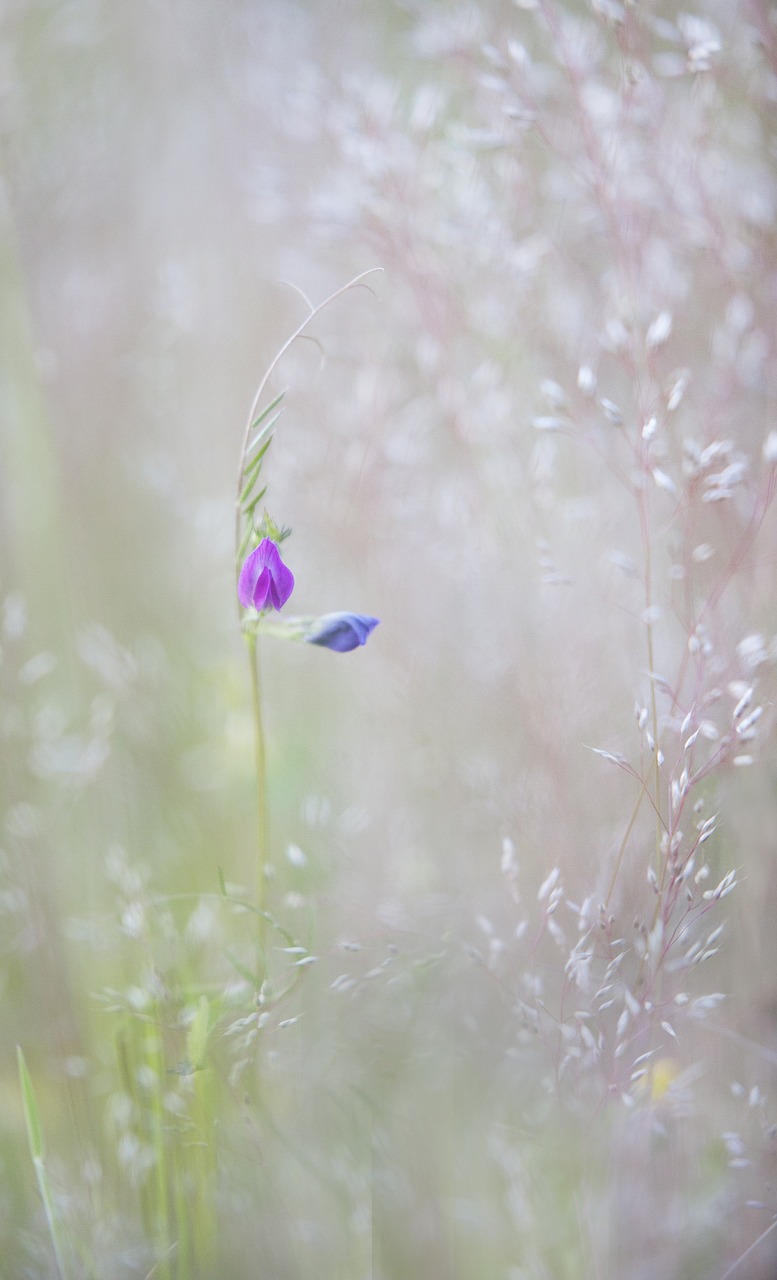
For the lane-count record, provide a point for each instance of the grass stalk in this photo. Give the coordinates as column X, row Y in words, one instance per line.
column 162, row 1223
column 624, row 844
column 260, row 764
column 37, row 1152
column 652, row 671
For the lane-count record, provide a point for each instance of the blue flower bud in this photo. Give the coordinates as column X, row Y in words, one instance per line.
column 341, row 631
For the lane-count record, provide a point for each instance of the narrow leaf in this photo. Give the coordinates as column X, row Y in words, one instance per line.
column 252, row 505
column 31, row 1114
column 261, row 436
column 35, row 1139
column 248, row 486
column 247, row 536
column 266, row 412
column 255, row 465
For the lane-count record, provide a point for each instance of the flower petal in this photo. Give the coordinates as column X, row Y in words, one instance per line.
column 341, row 631
column 262, row 589
column 265, row 581
column 282, row 579
column 246, row 583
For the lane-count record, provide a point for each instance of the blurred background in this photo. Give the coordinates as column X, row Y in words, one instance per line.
column 573, row 206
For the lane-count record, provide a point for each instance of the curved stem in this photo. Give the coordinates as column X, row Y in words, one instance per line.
column 298, row 332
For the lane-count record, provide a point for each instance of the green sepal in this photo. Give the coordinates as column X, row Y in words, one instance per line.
column 267, row 528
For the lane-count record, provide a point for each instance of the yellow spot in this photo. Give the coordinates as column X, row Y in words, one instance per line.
column 662, row 1074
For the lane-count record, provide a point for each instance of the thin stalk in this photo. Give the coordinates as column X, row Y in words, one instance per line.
column 186, row 1221
column 51, row 1217
column 260, row 764
column 298, row 332
column 162, row 1207
column 624, row 843
column 651, row 669
column 661, row 865
column 743, row 1256
column 204, row 1153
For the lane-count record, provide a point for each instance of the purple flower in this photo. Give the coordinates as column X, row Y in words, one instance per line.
column 264, row 582
column 341, row 631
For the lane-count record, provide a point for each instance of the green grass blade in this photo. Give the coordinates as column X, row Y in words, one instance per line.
column 37, row 1151
column 31, row 1113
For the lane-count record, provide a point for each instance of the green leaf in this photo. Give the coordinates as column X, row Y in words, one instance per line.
column 31, row 1114
column 261, row 436
column 248, row 486
column 253, row 504
column 266, row 412
column 242, row 550
column 255, row 465
column 35, row 1139
column 252, row 474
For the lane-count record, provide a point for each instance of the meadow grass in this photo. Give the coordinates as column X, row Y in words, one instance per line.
column 451, row 956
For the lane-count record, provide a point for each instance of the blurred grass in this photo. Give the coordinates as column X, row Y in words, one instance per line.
column 165, row 169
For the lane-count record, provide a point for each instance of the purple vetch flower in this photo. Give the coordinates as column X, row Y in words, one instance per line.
column 341, row 631
column 264, row 582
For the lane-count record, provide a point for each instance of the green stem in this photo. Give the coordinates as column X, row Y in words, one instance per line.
column 163, row 1223
column 262, row 842
column 35, row 1139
